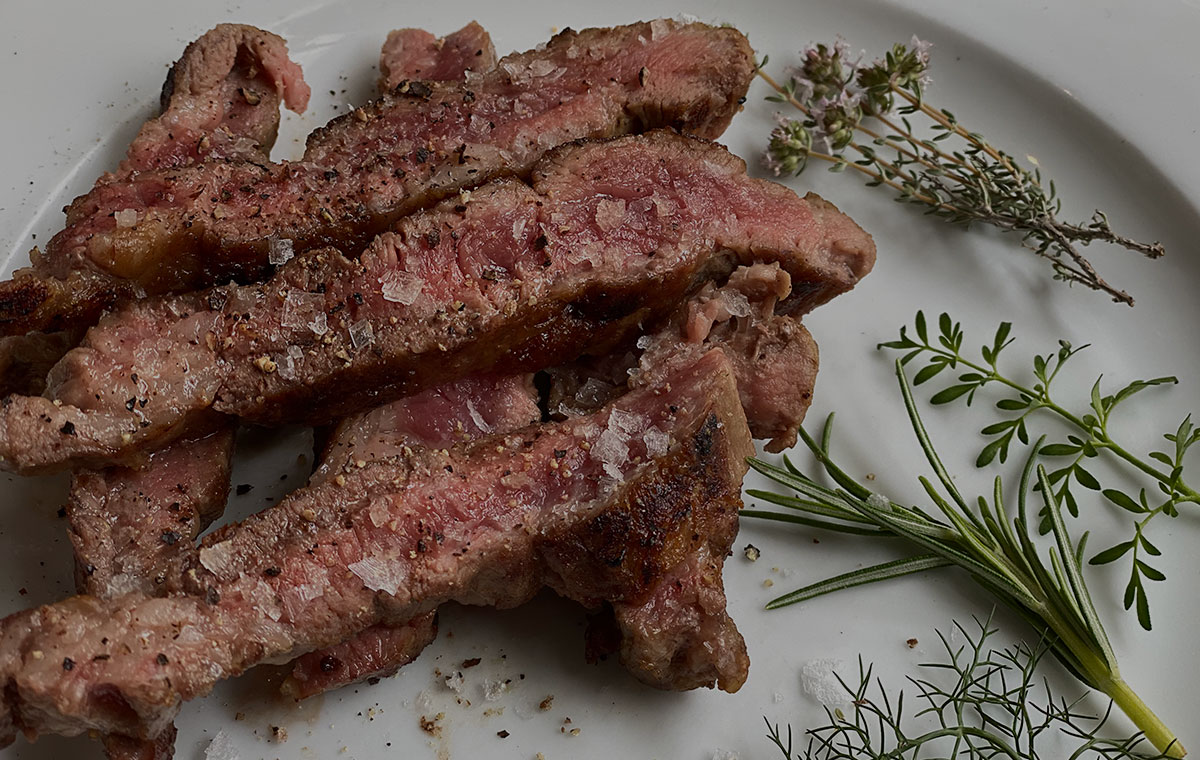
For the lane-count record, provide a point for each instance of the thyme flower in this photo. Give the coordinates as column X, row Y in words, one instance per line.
column 857, row 117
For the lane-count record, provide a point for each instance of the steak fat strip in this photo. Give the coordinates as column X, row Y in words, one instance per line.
column 644, row 526
column 189, row 228
column 513, row 278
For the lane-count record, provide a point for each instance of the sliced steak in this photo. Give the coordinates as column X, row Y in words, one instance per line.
column 220, row 103
column 514, row 278
column 378, row 652
column 128, row 524
column 646, row 493
column 193, row 227
column 774, row 357
column 415, row 54
column 161, row 747
column 25, row 360
column 441, row 417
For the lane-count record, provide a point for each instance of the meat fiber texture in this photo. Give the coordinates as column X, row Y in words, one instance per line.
column 484, row 523
column 515, row 277
column 184, row 228
column 415, row 54
column 128, row 524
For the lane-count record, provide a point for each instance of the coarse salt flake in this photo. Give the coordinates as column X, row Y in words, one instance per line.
column 477, row 418
column 361, row 333
column 216, row 558
column 659, row 28
column 379, row 574
column 657, row 442
column 126, row 218
column 221, row 748
column 610, row 213
column 401, row 287
column 280, row 251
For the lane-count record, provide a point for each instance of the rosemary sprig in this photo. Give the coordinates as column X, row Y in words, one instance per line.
column 952, row 171
column 978, row 702
column 997, row 551
column 1092, row 437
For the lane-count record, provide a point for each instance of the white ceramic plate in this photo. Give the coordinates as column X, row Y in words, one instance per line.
column 1100, row 93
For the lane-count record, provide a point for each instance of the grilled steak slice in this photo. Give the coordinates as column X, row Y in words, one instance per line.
column 25, row 360
column 220, row 103
column 127, row 524
column 514, row 278
column 644, row 489
column 441, row 417
column 774, row 357
column 410, row 54
column 424, row 142
column 162, row 747
column 378, row 652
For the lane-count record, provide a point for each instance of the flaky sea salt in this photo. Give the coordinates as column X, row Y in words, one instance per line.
column 289, row 362
column 819, row 682
column 221, row 748
column 628, row 423
column 879, row 501
column 401, row 287
column 303, row 310
column 477, row 418
column 610, row 213
column 541, row 67
column 216, row 558
column 736, row 303
column 379, row 510
column 518, row 228
column 379, row 575
column 657, row 442
column 493, row 690
column 611, row 450
column 659, row 28
column 361, row 333
column 126, row 218
column 280, row 251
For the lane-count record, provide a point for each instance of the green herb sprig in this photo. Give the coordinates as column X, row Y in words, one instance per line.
column 997, row 550
column 860, row 117
column 1092, row 437
column 978, row 702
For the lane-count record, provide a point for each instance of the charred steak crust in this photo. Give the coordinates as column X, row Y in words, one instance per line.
column 480, row 524
column 514, row 278
column 423, row 142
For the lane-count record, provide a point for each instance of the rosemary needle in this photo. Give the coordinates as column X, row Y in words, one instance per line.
column 996, row 549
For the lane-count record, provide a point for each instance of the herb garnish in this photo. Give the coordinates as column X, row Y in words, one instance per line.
column 1092, row 439
column 998, row 552
column 954, row 172
column 986, row 703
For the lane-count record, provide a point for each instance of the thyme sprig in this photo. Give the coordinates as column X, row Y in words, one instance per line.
column 1092, row 437
column 978, row 702
column 997, row 550
column 861, row 117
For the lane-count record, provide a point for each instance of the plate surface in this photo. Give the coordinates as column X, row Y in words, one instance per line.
column 1038, row 80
